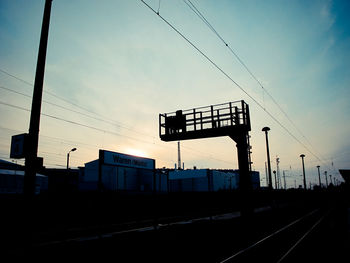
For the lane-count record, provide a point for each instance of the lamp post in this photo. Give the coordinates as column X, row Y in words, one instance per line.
column 74, row 149
column 274, row 172
column 319, row 176
column 302, row 158
column 325, row 175
column 266, row 129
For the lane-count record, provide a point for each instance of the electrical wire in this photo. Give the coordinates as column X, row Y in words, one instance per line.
column 73, row 122
column 193, row 8
column 99, row 129
column 70, row 110
column 106, row 120
column 229, row 77
column 202, row 17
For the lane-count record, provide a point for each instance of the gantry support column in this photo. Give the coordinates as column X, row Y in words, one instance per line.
column 245, row 185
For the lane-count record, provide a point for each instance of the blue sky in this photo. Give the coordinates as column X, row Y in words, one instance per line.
column 119, row 66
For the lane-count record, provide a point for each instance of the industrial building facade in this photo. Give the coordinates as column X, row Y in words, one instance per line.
column 12, row 178
column 202, row 180
column 120, row 172
column 207, row 180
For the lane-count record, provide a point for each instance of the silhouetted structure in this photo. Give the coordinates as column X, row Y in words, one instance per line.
column 319, row 176
column 229, row 119
column 207, row 180
column 119, row 172
column 266, row 129
column 304, row 179
column 12, row 179
column 32, row 162
column 345, row 173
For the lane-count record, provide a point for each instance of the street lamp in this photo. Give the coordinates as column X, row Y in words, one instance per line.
column 319, row 177
column 325, row 175
column 74, row 149
column 266, row 129
column 274, row 172
column 302, row 158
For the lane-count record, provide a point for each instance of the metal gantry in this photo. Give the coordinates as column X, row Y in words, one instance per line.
column 228, row 119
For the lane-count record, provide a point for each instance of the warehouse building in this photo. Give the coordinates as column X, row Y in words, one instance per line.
column 201, row 180
column 207, row 180
column 118, row 172
column 12, row 178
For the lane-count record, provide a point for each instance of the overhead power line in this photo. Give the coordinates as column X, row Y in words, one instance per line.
column 81, row 113
column 208, row 24
column 102, row 130
column 62, row 99
column 73, row 122
column 228, row 76
column 65, row 108
column 102, row 118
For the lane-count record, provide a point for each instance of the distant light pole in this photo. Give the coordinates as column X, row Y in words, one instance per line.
column 325, row 175
column 266, row 129
column 274, row 172
column 74, row 149
column 302, row 158
column 319, row 176
column 266, row 175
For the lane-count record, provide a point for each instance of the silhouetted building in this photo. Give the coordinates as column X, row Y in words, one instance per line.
column 120, row 172
column 12, row 176
column 61, row 180
column 345, row 173
column 207, row 180
column 201, row 180
column 10, row 166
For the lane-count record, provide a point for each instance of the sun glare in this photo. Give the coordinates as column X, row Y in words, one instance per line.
column 136, row 152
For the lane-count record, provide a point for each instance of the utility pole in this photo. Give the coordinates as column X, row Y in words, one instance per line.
column 31, row 159
column 266, row 175
column 274, row 172
column 319, row 176
column 302, row 158
column 178, row 156
column 278, row 173
column 266, row 129
column 284, row 179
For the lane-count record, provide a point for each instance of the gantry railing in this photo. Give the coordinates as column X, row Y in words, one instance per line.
column 202, row 122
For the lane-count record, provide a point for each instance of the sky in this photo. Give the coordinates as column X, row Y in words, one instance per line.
column 112, row 66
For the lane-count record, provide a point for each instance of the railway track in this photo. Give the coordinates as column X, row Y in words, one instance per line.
column 288, row 234
column 282, row 243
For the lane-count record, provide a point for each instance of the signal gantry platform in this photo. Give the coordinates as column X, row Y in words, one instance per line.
column 228, row 119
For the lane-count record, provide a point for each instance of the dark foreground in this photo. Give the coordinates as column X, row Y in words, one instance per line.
column 285, row 227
